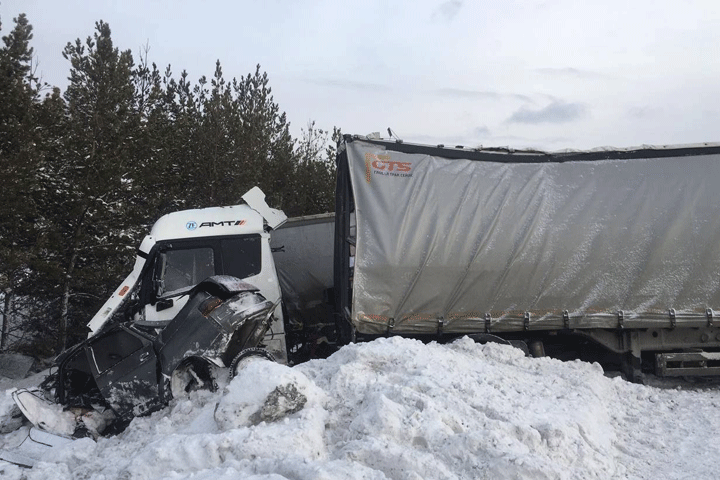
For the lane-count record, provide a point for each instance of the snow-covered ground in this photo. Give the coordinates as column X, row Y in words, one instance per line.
column 398, row 409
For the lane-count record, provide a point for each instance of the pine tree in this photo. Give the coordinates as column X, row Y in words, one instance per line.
column 313, row 186
column 19, row 158
column 266, row 146
column 234, row 137
column 91, row 185
column 156, row 134
column 215, row 142
column 86, row 172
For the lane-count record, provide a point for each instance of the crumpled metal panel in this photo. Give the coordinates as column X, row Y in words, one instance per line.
column 523, row 242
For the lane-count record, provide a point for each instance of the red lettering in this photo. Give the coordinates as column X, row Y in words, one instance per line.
column 392, row 166
column 403, row 166
column 384, row 164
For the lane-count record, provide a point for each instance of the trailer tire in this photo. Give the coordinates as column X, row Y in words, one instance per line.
column 248, row 355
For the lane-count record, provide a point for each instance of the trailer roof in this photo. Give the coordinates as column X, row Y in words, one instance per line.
column 511, row 155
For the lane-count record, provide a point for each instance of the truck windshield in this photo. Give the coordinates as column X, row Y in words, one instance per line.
column 184, row 268
column 182, row 265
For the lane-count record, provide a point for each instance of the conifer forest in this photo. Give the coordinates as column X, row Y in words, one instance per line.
column 86, row 171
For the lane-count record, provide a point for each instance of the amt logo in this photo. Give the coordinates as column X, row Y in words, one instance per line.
column 191, row 225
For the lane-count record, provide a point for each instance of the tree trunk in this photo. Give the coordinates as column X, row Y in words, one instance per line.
column 7, row 303
column 65, row 305
column 66, row 302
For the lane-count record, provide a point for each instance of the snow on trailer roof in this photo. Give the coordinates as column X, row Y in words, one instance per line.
column 529, row 155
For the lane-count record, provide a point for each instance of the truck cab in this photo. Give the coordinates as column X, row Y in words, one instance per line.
column 186, row 247
column 192, row 245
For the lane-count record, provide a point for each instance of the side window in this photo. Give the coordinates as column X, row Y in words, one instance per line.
column 183, row 268
column 242, row 256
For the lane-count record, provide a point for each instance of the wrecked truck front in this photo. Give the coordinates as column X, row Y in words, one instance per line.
column 128, row 368
column 213, row 328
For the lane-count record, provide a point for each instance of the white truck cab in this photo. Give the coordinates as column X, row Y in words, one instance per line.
column 186, row 247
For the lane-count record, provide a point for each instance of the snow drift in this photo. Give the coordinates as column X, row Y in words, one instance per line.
column 396, row 408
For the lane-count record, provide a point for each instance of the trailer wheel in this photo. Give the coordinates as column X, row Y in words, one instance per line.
column 246, row 356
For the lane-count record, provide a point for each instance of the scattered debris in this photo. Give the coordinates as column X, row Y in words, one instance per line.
column 284, row 400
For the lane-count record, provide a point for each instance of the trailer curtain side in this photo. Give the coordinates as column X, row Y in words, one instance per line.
column 463, row 242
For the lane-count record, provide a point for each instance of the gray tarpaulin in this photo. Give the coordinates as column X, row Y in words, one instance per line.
column 520, row 243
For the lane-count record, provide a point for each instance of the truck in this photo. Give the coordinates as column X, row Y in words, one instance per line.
column 606, row 254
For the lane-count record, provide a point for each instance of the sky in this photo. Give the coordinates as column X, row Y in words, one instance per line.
column 550, row 74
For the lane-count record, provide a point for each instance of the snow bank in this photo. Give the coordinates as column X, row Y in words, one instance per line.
column 398, row 409
column 465, row 410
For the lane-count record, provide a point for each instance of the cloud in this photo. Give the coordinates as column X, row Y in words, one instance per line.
column 571, row 72
column 351, row 85
column 478, row 132
column 460, row 93
column 471, row 138
column 645, row 111
column 556, row 112
column 448, row 10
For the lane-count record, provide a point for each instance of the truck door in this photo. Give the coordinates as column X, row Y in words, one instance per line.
column 124, row 365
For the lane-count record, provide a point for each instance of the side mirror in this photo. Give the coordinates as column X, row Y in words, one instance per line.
column 164, row 304
column 159, row 287
column 159, row 274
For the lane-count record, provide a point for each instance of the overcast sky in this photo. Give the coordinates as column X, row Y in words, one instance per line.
column 550, row 74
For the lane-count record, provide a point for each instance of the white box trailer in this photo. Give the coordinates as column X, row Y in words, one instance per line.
column 621, row 247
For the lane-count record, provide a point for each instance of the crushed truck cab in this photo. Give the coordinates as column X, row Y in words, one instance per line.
column 182, row 249
column 203, row 292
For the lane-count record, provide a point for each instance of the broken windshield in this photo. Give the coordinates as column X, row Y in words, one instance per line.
column 180, row 265
column 184, row 268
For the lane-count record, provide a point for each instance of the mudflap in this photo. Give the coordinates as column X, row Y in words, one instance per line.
column 33, row 448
